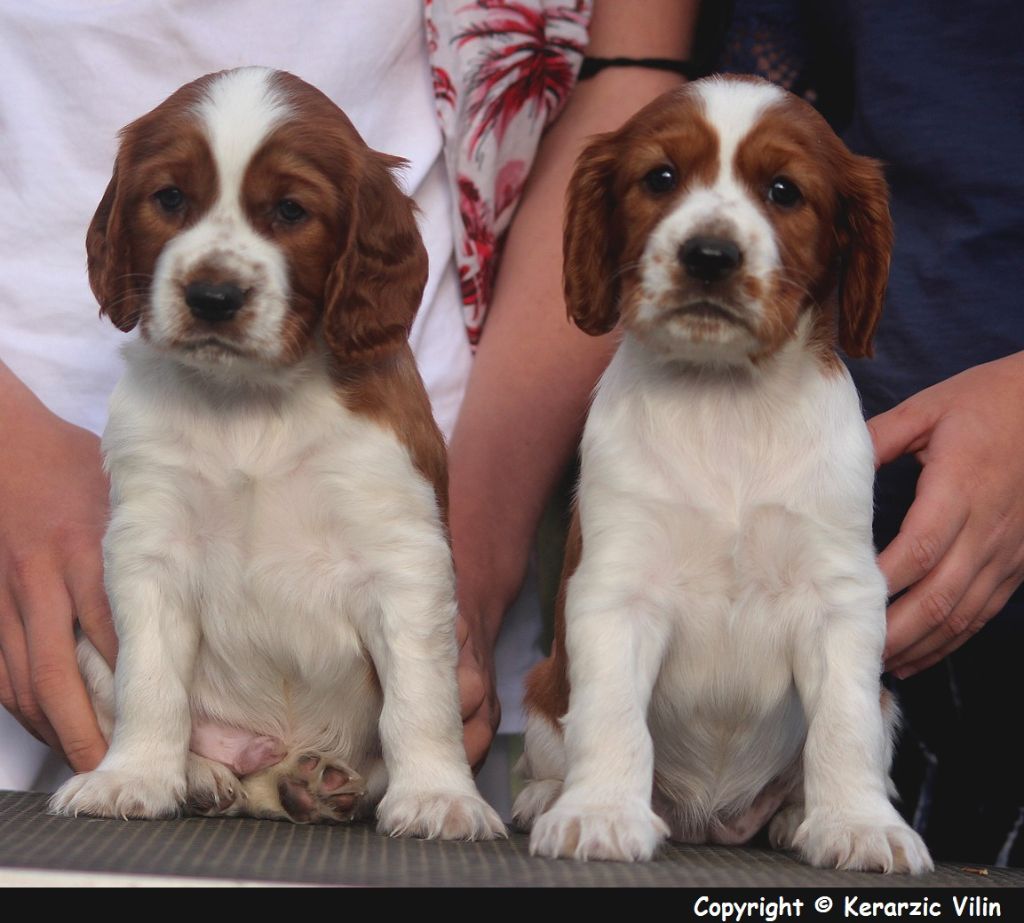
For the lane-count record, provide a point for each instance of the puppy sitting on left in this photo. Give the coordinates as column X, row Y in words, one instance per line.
column 276, row 561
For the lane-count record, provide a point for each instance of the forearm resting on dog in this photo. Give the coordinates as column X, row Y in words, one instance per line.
column 960, row 551
column 534, row 371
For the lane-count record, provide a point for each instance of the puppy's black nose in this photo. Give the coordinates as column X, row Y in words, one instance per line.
column 214, row 301
column 710, row 259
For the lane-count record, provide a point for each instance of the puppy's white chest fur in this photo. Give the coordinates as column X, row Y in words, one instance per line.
column 728, row 510
column 270, row 513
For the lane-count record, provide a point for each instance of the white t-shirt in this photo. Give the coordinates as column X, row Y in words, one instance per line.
column 76, row 71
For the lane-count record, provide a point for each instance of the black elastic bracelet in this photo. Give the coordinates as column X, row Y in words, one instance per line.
column 591, row 66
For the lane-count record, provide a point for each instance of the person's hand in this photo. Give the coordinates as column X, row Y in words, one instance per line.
column 481, row 711
column 960, row 550
column 53, row 511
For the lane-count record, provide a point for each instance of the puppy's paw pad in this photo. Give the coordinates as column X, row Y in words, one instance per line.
column 319, row 790
column 598, row 831
column 439, row 816
column 212, row 789
column 115, row 793
column 533, row 801
column 886, row 844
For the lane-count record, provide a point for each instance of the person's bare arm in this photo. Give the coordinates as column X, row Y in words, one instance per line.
column 534, row 371
column 960, row 550
column 53, row 510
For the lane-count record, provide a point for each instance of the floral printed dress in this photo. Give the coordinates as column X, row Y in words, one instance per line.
column 502, row 72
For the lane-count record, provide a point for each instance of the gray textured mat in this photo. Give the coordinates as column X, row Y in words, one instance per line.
column 281, row 852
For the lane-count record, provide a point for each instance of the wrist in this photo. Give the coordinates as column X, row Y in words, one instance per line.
column 632, row 86
column 594, row 65
column 482, row 607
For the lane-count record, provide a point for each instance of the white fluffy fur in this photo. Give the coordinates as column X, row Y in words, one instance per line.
column 268, row 551
column 726, row 622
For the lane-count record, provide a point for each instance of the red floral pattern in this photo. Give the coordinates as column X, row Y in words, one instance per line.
column 502, row 72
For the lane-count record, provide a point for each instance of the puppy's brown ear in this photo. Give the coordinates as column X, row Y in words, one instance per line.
column 866, row 236
column 108, row 257
column 375, row 288
column 589, row 274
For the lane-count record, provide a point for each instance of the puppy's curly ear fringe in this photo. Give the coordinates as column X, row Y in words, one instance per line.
column 374, row 291
column 867, row 237
column 108, row 259
column 591, row 288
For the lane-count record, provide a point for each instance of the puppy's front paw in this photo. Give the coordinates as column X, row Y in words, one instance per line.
column 116, row 793
column 438, row 815
column 580, row 829
column 876, row 842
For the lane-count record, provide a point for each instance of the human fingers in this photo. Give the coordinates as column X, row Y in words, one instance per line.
column 934, row 610
column 977, row 615
column 84, row 579
column 903, row 430
column 46, row 612
column 933, row 522
column 24, row 707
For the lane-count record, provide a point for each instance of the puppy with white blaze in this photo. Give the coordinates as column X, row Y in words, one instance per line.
column 277, row 559
column 717, row 659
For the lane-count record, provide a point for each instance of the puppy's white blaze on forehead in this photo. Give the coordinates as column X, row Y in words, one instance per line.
column 733, row 109
column 240, row 110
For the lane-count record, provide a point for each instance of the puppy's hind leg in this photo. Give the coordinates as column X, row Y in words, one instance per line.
column 543, row 763
column 784, row 825
column 220, row 755
column 99, row 683
column 212, row 789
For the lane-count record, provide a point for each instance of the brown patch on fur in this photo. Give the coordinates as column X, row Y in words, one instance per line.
column 357, row 266
column 547, row 685
column 609, row 211
column 373, row 296
column 822, row 339
column 839, row 237
column 165, row 147
column 320, row 179
column 389, row 391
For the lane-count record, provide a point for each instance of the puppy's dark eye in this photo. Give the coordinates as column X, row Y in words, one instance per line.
column 661, row 179
column 290, row 211
column 784, row 192
column 170, row 199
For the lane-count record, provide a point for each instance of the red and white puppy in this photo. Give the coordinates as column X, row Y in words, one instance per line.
column 724, row 619
column 277, row 560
